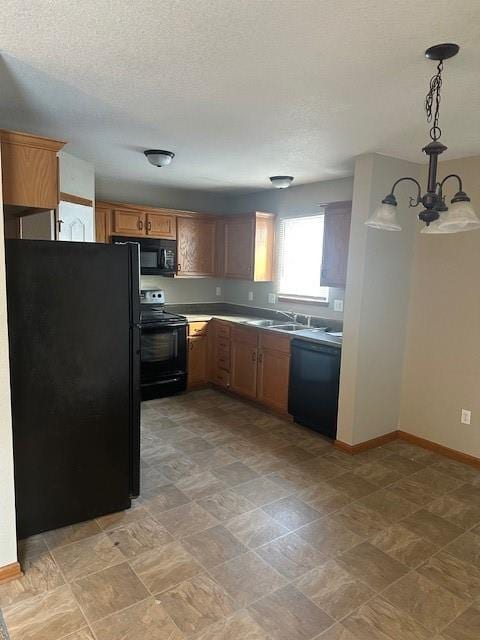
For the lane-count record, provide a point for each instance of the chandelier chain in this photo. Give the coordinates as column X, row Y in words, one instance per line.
column 433, row 97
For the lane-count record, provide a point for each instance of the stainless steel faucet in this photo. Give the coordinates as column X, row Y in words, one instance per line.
column 289, row 314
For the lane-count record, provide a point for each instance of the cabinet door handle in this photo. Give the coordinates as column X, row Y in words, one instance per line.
column 140, row 225
column 260, row 358
column 191, row 346
column 179, row 267
column 149, row 226
column 254, row 356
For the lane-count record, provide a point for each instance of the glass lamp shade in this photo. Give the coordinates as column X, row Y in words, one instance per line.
column 159, row 157
column 281, row 182
column 435, row 227
column 384, row 217
column 459, row 217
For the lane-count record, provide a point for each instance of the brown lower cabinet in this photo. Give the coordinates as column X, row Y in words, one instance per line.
column 251, row 362
column 197, row 361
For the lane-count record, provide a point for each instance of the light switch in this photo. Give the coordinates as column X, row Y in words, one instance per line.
column 338, row 305
column 466, row 416
column 250, row 295
column 218, row 291
column 272, row 298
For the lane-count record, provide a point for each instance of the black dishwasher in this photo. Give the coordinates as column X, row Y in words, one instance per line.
column 314, row 382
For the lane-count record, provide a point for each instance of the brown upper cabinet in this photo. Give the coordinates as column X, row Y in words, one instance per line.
column 249, row 245
column 160, row 225
column 336, row 238
column 196, row 246
column 29, row 171
column 129, row 222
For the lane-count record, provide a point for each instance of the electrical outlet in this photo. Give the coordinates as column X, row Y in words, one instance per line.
column 250, row 295
column 338, row 305
column 466, row 416
column 218, row 291
column 272, row 298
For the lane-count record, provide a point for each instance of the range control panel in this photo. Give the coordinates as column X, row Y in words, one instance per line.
column 152, row 296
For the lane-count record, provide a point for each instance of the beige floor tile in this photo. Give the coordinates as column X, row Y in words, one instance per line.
column 465, row 627
column 324, row 498
column 329, row 537
column 456, row 469
column 380, row 620
column 113, row 520
column 428, row 603
column 319, row 469
column 461, row 578
column 247, row 578
column 334, row 590
column 292, row 454
column 214, row 546
column 291, row 556
column 226, row 505
column 360, row 519
column 291, row 478
column 73, row 533
column 83, row 634
column 432, row 527
column 372, row 566
column 439, row 483
column 48, row 616
column 105, row 592
column 291, row 512
column 135, row 538
column 30, row 547
column 167, row 497
column 213, row 458
column 388, row 505
column 409, row 489
column 288, row 615
column 240, row 626
column 145, row 620
column 255, row 528
column 178, row 467
column 164, row 568
column 261, row 491
column 469, row 493
column 264, row 463
column 186, row 520
column 337, row 632
column 41, row 574
column 402, row 465
column 466, row 548
column 351, row 484
column 200, row 485
column 235, row 473
column 403, row 545
column 197, row 603
column 87, row 556
column 378, row 473
column 455, row 511
column 193, row 445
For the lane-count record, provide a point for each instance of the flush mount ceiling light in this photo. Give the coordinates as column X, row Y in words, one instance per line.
column 281, row 182
column 460, row 216
column 159, row 157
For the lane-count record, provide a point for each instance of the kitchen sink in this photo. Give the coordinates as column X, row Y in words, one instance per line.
column 289, row 327
column 260, row 323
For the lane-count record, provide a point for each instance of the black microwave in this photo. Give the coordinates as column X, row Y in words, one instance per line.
column 157, row 257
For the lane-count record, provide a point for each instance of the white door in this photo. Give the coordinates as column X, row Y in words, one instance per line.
column 75, row 222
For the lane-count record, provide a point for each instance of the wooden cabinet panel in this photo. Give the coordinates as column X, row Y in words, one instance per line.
column 336, row 238
column 243, row 374
column 248, row 335
column 161, row 226
column 102, row 224
column 196, row 246
column 264, row 257
column 273, row 377
column 29, row 170
column 275, row 341
column 129, row 223
column 197, row 361
column 239, row 247
column 197, row 328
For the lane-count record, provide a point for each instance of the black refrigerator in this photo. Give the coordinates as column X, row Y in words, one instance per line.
column 74, row 337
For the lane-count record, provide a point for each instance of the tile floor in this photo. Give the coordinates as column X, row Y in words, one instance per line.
column 252, row 528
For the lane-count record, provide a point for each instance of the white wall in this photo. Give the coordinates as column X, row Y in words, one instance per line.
column 184, row 290
column 8, row 544
column 376, row 304
column 442, row 362
column 77, row 177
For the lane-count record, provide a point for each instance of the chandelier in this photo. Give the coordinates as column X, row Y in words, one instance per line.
column 438, row 218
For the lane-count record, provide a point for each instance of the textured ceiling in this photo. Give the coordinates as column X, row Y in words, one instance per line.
column 238, row 89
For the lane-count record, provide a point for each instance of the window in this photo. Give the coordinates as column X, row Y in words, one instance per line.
column 300, row 260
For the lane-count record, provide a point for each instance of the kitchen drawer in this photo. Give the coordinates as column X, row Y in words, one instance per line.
column 223, row 330
column 222, row 378
column 223, row 362
column 197, row 328
column 271, row 340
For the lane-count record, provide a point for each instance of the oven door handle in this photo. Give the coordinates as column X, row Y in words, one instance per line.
column 160, row 325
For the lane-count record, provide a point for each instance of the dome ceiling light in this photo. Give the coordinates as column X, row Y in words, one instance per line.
column 281, row 182
column 437, row 217
column 159, row 157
